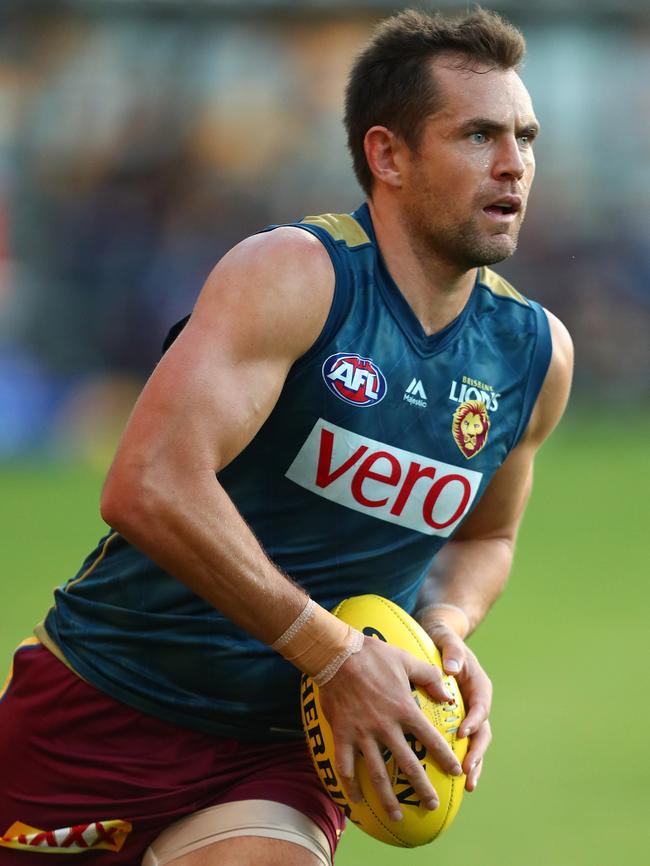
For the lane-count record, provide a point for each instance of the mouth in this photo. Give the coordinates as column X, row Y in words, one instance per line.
column 504, row 210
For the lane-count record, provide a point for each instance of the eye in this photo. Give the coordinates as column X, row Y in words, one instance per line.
column 526, row 139
column 477, row 137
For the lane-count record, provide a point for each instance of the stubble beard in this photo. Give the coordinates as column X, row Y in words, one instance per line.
column 465, row 246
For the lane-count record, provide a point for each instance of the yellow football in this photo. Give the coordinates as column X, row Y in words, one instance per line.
column 380, row 618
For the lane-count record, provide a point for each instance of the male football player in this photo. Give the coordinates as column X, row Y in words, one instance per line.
column 354, row 406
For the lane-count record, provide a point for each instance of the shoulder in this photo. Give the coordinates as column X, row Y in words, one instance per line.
column 554, row 394
column 562, row 358
column 275, row 287
column 286, row 258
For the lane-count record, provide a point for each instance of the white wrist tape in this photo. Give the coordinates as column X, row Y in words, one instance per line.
column 296, row 625
column 460, row 621
column 318, row 643
column 354, row 646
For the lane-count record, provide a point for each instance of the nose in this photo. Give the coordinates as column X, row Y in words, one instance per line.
column 509, row 161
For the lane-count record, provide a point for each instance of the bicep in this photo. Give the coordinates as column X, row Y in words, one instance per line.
column 219, row 381
column 204, row 401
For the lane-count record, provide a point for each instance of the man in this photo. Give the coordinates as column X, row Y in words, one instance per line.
column 349, row 395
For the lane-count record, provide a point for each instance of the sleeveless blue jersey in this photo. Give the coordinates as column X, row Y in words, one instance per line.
column 382, row 441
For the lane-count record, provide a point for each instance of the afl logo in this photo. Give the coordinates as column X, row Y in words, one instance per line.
column 356, row 380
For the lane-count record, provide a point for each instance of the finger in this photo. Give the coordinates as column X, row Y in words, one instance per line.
column 478, row 747
column 472, row 779
column 476, row 716
column 428, row 676
column 411, row 769
column 345, row 759
column 434, row 742
column 452, row 649
column 379, row 780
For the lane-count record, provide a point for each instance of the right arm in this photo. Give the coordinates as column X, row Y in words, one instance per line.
column 205, row 401
column 263, row 306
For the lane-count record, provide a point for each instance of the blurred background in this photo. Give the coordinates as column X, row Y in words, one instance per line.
column 140, row 139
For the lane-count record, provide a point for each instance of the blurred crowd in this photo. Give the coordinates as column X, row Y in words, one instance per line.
column 135, row 148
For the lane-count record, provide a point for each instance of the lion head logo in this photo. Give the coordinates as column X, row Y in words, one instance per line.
column 470, row 427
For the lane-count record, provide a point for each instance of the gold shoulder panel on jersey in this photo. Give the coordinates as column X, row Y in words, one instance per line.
column 341, row 226
column 498, row 286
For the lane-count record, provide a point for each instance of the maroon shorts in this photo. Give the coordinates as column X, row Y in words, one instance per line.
column 80, row 772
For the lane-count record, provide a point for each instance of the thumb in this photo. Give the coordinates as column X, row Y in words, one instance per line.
column 426, row 675
column 451, row 646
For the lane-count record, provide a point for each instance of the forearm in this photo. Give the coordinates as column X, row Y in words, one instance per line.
column 469, row 574
column 189, row 526
column 192, row 529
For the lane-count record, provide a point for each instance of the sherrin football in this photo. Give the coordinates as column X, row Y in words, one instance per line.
column 380, row 618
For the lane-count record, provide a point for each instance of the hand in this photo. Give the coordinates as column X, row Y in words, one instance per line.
column 476, row 689
column 369, row 706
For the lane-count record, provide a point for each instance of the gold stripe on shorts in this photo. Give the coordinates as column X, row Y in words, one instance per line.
column 29, row 641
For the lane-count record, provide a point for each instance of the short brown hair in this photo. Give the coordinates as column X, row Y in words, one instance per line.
column 391, row 82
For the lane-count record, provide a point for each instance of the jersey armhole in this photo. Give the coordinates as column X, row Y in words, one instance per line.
column 539, row 365
column 342, row 295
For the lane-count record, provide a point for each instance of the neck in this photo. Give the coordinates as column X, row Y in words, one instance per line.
column 435, row 289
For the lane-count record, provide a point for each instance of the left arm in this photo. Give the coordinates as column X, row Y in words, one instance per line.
column 471, row 570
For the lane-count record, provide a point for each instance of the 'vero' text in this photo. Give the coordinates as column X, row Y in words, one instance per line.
column 383, row 481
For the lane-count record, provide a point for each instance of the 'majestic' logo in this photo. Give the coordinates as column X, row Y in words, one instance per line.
column 356, row 380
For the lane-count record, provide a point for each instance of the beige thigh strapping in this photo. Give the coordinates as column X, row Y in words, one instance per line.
column 241, row 818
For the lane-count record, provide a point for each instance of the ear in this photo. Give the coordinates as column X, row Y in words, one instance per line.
column 384, row 155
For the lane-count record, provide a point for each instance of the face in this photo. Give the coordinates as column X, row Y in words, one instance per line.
column 464, row 190
column 471, row 427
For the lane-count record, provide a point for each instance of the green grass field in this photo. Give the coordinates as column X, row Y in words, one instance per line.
column 566, row 783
